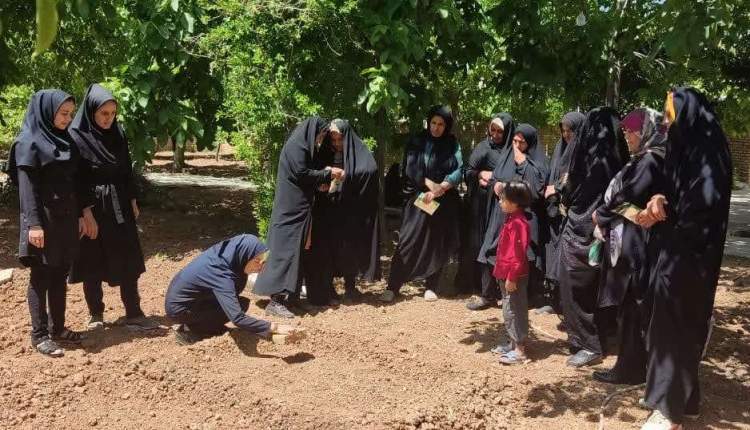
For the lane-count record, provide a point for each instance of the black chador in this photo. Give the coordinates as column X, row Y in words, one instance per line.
column 485, row 157
column 597, row 154
column 625, row 260
column 532, row 170
column 345, row 232
column 296, row 181
column 698, row 172
column 554, row 218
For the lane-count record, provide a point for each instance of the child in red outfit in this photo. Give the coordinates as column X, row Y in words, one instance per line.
column 512, row 270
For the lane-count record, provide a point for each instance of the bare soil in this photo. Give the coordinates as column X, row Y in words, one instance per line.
column 409, row 365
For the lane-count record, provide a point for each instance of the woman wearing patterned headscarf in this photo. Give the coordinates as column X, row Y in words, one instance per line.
column 626, row 257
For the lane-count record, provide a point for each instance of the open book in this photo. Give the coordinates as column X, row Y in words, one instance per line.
column 430, row 208
column 628, row 211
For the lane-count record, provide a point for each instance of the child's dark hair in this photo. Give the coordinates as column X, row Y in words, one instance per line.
column 517, row 192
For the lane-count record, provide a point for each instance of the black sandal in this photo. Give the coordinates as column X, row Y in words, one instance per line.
column 49, row 348
column 69, row 336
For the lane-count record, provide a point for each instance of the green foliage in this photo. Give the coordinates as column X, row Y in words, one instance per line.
column 13, row 104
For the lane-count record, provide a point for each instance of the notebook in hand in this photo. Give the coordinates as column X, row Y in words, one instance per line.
column 628, row 211
column 430, row 208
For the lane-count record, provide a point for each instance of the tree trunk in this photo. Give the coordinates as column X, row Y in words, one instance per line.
column 381, row 136
column 178, row 157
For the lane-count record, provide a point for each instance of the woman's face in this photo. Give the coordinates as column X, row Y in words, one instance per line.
column 437, row 126
column 519, row 143
column 64, row 115
column 105, row 115
column 337, row 140
column 497, row 132
column 567, row 133
column 634, row 140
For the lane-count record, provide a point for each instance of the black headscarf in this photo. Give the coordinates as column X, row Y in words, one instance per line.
column 561, row 156
column 508, row 130
column 102, row 148
column 443, row 160
column 535, row 156
column 596, row 155
column 40, row 142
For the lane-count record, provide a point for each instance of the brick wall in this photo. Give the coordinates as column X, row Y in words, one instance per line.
column 740, row 149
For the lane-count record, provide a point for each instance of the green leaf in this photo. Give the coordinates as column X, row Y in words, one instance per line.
column 175, row 4
column 163, row 117
column 190, row 21
column 46, row 24
column 83, row 8
column 443, row 13
column 143, row 101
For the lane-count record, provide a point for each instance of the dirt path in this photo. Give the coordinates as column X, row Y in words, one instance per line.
column 408, row 365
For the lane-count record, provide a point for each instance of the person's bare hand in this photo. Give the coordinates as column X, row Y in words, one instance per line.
column 92, row 228
column 594, row 218
column 510, row 286
column 324, row 188
column 136, row 210
column 36, row 236
column 518, row 156
column 483, row 183
column 81, row 227
column 428, row 197
column 499, row 188
column 337, row 173
column 549, row 191
column 644, row 220
column 486, row 175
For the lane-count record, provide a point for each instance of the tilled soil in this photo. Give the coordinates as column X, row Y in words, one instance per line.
column 408, row 365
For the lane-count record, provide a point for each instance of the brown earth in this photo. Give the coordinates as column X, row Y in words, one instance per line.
column 408, row 365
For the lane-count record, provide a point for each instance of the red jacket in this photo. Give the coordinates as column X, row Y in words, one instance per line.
column 511, row 262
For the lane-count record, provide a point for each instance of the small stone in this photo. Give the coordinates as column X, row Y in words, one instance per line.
column 153, row 414
column 93, row 422
column 125, row 396
column 6, row 276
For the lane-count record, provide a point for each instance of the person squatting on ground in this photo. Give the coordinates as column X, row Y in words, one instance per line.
column 204, row 295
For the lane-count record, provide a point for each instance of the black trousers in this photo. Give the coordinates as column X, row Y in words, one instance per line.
column 399, row 276
column 92, row 291
column 47, row 287
column 632, row 359
column 490, row 289
column 206, row 318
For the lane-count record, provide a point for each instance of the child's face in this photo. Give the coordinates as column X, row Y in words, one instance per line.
column 508, row 206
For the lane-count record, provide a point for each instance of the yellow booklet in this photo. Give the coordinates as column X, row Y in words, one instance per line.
column 430, row 208
column 628, row 211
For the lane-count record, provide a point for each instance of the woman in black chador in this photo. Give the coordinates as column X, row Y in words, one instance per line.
column 626, row 257
column 345, row 233
column 43, row 162
column 698, row 172
column 483, row 160
column 111, row 251
column 570, row 124
column 291, row 220
column 431, row 169
column 596, row 155
column 525, row 161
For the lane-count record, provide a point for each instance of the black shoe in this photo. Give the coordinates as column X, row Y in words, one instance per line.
column 480, row 304
column 584, row 358
column 611, row 377
column 184, row 336
column 275, row 308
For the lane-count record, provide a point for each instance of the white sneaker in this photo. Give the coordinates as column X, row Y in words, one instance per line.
column 430, row 296
column 387, row 296
column 657, row 421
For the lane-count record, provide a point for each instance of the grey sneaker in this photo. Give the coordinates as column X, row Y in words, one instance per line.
column 141, row 323
column 480, row 304
column 96, row 322
column 657, row 421
column 503, row 348
column 275, row 308
column 387, row 296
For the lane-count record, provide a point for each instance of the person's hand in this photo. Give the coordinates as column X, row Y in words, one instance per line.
column 337, row 173
column 324, row 188
column 81, row 227
column 136, row 210
column 518, row 156
column 653, row 213
column 92, row 228
column 644, row 220
column 428, row 197
column 485, row 175
column 510, row 286
column 483, row 183
column 549, row 191
column 499, row 188
column 594, row 218
column 36, row 236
